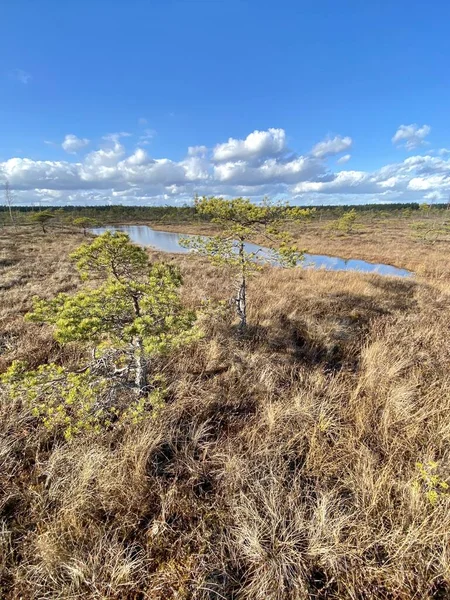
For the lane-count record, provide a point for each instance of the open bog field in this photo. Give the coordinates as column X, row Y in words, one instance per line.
column 306, row 459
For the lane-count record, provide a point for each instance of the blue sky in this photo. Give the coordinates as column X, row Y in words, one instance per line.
column 317, row 102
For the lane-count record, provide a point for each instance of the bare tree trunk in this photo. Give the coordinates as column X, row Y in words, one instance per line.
column 8, row 199
column 140, row 378
column 241, row 305
column 241, row 298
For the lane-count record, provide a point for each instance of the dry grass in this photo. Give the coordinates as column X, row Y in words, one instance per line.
column 283, row 466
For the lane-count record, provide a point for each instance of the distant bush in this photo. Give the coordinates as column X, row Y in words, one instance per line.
column 430, row 231
column 345, row 223
column 84, row 223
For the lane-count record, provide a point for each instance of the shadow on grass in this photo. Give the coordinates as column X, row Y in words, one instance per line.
column 332, row 328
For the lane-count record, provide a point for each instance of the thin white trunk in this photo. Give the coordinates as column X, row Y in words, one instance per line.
column 241, row 299
column 8, row 199
column 140, row 377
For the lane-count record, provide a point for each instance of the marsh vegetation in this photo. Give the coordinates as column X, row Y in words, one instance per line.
column 307, row 457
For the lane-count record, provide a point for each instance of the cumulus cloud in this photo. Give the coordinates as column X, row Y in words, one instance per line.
column 72, row 143
column 258, row 165
column 344, row 159
column 271, row 170
column 24, row 173
column 405, row 181
column 197, row 150
column 256, row 145
column 100, row 167
column 332, row 146
column 411, row 136
column 431, row 182
column 342, row 182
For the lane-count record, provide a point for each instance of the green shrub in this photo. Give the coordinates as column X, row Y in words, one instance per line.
column 133, row 314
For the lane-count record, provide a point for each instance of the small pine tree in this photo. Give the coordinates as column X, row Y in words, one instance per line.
column 42, row 217
column 133, row 314
column 424, row 209
column 84, row 223
column 346, row 222
column 240, row 220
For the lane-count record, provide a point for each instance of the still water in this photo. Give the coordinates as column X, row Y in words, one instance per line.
column 167, row 241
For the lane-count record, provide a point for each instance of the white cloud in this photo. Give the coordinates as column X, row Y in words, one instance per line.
column 146, row 137
column 24, row 173
column 111, row 174
column 72, row 143
column 405, row 181
column 344, row 159
column 411, row 136
column 21, row 76
column 115, row 137
column 50, row 193
column 196, row 164
column 256, row 145
column 270, row 170
column 197, row 150
column 421, row 184
column 344, row 181
column 332, row 146
column 101, row 165
column 161, row 171
column 434, row 196
column 140, row 157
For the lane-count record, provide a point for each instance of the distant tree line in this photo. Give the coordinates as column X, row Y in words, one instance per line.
column 184, row 214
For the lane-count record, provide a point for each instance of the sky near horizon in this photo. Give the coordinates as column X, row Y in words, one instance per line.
column 153, row 101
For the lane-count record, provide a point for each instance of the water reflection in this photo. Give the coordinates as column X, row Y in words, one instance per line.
column 168, row 241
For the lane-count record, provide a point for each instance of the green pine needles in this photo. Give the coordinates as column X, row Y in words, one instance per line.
column 240, row 221
column 129, row 312
column 42, row 217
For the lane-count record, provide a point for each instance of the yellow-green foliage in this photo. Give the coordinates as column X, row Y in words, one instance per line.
column 346, row 222
column 42, row 217
column 430, row 481
column 430, row 231
column 84, row 223
column 63, row 400
column 137, row 299
column 125, row 321
column 107, row 314
column 407, row 213
column 111, row 255
column 424, row 208
column 240, row 221
column 75, row 402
